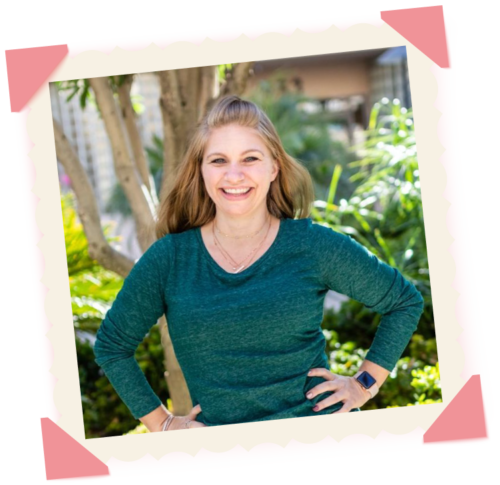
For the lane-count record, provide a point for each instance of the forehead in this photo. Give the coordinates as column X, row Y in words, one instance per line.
column 233, row 138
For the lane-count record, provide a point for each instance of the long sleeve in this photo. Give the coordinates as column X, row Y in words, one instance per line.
column 135, row 310
column 350, row 269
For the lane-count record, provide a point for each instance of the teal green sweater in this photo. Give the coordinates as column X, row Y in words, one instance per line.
column 246, row 341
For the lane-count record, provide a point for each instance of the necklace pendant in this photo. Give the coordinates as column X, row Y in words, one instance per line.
column 237, row 270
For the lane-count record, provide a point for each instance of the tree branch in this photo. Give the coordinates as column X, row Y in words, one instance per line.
column 129, row 117
column 209, row 89
column 179, row 393
column 173, row 109
column 171, row 94
column 142, row 209
column 191, row 84
column 237, row 79
column 88, row 212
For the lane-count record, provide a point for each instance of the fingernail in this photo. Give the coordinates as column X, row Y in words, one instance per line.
column 309, row 395
column 315, row 408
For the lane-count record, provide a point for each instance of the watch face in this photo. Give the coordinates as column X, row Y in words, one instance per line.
column 366, row 380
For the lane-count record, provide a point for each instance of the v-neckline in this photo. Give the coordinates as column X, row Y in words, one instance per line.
column 220, row 270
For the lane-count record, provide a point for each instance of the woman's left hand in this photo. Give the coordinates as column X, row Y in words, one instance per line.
column 345, row 389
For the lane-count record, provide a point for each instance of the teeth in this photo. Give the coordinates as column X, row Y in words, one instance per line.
column 236, row 191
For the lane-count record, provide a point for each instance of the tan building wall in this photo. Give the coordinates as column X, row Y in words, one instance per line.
column 327, row 80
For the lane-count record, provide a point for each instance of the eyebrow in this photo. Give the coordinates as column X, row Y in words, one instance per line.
column 246, row 151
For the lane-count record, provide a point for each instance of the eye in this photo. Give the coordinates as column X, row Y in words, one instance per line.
column 217, row 160
column 251, row 158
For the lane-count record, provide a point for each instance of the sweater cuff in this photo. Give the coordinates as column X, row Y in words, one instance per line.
column 132, row 387
column 380, row 360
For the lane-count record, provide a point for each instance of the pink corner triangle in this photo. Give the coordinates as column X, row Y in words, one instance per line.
column 65, row 457
column 463, row 418
column 28, row 69
column 424, row 28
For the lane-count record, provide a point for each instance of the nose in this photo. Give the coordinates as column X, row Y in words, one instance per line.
column 233, row 173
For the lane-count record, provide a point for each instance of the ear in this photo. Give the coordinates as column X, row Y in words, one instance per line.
column 276, row 169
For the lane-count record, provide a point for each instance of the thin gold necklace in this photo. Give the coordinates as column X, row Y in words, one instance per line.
column 237, row 267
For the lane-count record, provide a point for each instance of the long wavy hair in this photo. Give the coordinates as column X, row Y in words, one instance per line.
column 188, row 204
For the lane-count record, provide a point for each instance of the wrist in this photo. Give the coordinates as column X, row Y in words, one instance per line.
column 167, row 422
column 155, row 419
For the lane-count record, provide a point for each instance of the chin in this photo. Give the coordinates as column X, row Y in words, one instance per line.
column 233, row 212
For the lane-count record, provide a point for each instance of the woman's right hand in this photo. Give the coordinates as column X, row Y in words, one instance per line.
column 186, row 422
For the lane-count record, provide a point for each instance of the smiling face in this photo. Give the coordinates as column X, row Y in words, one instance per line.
column 237, row 169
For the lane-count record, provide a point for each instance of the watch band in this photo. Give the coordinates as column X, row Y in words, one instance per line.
column 373, row 389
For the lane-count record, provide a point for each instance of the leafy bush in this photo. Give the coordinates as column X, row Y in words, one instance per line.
column 104, row 412
column 410, row 383
column 93, row 289
column 385, row 214
column 305, row 135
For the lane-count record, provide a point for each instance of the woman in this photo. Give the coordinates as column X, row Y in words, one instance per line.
column 241, row 275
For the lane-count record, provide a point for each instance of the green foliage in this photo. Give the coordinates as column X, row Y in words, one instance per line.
column 82, row 89
column 384, row 213
column 305, row 135
column 137, row 101
column 77, row 87
column 104, row 412
column 77, row 256
column 155, row 159
column 352, row 323
column 223, row 70
column 93, row 289
column 372, row 194
column 410, row 383
column 118, row 202
column 423, row 349
column 140, row 429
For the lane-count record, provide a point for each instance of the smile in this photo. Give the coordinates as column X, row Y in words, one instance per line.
column 236, row 191
column 235, row 194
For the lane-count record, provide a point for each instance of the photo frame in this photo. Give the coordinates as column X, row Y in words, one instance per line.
column 307, row 430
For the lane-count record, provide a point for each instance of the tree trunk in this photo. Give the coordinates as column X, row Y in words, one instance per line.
column 142, row 209
column 138, row 153
column 237, row 78
column 185, row 94
column 209, row 90
column 179, row 393
column 171, row 110
column 88, row 212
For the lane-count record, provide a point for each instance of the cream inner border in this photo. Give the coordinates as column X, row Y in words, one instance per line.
column 49, row 218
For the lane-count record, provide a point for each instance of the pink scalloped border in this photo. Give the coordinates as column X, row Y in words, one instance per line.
column 294, row 451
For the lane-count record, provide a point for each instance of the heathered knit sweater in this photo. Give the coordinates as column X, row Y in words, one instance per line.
column 246, row 341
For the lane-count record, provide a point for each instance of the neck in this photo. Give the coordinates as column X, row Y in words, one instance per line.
column 241, row 226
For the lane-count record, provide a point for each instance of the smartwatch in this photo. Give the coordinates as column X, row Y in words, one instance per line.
column 367, row 382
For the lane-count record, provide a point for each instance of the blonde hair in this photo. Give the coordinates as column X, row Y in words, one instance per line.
column 188, row 204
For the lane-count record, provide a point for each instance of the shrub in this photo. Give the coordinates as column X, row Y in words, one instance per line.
column 385, row 214
column 93, row 289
